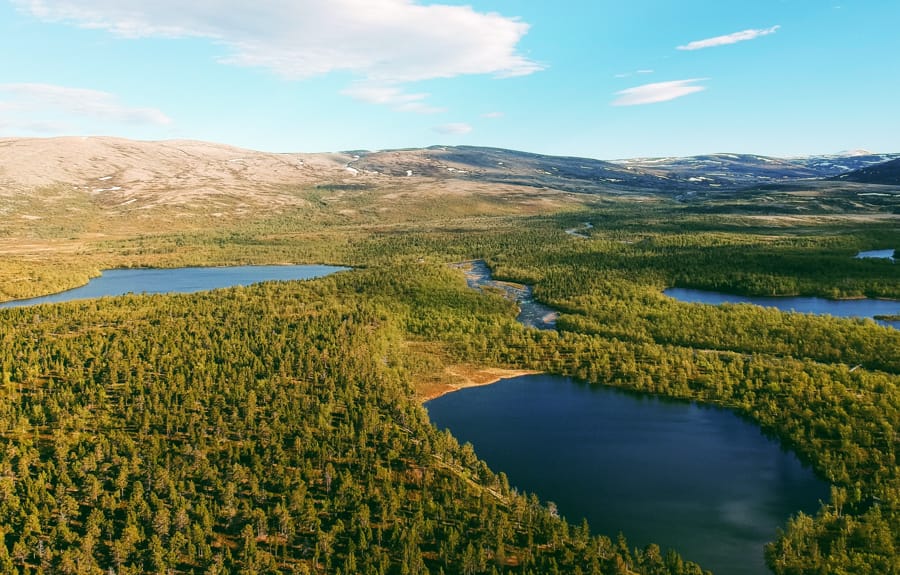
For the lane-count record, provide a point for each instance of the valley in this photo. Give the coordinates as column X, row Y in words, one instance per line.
column 278, row 427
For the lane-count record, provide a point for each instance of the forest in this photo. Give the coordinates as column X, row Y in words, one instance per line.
column 275, row 428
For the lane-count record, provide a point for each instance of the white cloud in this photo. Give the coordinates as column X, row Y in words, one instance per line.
column 389, row 41
column 493, row 115
column 734, row 38
column 657, row 92
column 48, row 100
column 389, row 95
column 456, row 129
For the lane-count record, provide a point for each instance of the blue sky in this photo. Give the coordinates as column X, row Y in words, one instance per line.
column 596, row 78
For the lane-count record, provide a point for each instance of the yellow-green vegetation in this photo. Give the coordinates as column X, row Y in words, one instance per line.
column 56, row 238
column 275, row 428
column 259, row 430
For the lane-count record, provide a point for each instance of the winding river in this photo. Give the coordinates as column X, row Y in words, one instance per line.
column 531, row 313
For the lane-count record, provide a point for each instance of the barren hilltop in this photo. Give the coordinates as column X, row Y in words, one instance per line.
column 175, row 172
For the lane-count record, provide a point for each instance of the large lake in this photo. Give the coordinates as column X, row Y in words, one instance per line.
column 178, row 280
column 841, row 308
column 694, row 478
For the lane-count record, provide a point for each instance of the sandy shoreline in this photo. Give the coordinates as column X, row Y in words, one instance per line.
column 465, row 377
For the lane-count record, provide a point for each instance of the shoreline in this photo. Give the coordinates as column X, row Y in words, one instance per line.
column 39, row 299
column 776, row 297
column 467, row 377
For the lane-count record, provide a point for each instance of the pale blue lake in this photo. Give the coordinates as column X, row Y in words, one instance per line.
column 178, row 280
column 864, row 307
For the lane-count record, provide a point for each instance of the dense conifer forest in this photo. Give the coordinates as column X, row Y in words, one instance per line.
column 275, row 428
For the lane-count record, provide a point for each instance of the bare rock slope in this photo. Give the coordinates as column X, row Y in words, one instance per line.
column 149, row 173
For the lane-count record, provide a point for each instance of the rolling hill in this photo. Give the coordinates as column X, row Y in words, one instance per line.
column 176, row 172
column 124, row 176
column 586, row 175
column 886, row 173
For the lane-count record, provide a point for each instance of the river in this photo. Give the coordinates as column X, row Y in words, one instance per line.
column 695, row 478
column 531, row 313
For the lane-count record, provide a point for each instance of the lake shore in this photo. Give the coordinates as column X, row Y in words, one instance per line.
column 643, row 465
column 465, row 376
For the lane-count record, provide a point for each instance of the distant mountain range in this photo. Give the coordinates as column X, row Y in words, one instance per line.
column 747, row 169
column 695, row 173
column 509, row 167
column 135, row 174
column 885, row 173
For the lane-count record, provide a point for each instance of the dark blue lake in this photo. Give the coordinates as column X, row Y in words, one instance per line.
column 694, row 478
column 839, row 308
column 178, row 280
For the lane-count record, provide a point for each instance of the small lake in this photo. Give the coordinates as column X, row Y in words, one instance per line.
column 880, row 254
column 840, row 308
column 694, row 478
column 178, row 280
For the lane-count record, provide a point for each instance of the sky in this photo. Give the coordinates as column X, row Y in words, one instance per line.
column 594, row 78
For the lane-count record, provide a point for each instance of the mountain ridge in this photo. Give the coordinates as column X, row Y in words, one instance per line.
column 885, row 173
column 184, row 171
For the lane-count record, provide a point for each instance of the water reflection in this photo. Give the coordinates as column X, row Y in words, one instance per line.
column 695, row 478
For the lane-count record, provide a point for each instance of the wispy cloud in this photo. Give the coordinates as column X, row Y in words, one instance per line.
column 493, row 115
column 380, row 40
column 657, row 92
column 393, row 96
column 456, row 129
column 734, row 38
column 635, row 73
column 48, row 100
